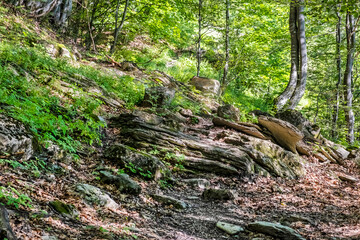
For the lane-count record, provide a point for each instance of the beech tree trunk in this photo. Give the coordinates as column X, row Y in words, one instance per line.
column 118, row 28
column 339, row 77
column 227, row 48
column 198, row 52
column 295, row 89
column 350, row 40
column 59, row 10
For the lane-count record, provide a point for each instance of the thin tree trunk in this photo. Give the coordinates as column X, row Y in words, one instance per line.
column 339, row 77
column 350, row 39
column 302, row 70
column 118, row 28
column 227, row 48
column 284, row 97
column 198, row 52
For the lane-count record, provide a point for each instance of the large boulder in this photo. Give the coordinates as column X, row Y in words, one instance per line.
column 15, row 139
column 228, row 111
column 140, row 162
column 294, row 117
column 206, row 85
column 286, row 134
column 158, row 97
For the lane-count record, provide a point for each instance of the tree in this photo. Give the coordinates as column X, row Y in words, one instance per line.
column 227, row 50
column 118, row 28
column 59, row 10
column 350, row 40
column 298, row 73
column 198, row 51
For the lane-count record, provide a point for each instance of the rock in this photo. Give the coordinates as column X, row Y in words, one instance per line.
column 229, row 228
column 271, row 157
column 5, row 228
column 67, row 210
column 348, row 178
column 15, row 139
column 275, row 229
column 47, row 237
column 197, row 182
column 320, row 157
column 129, row 66
column 205, row 165
column 124, row 183
column 186, row 112
column 96, row 196
column 228, row 111
column 287, row 220
column 217, row 194
column 298, row 120
column 167, row 200
column 60, row 51
column 286, row 134
column 158, row 97
column 141, row 162
column 303, row 148
column 206, row 85
column 250, row 130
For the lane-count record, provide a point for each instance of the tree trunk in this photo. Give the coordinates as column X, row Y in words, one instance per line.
column 350, row 39
column 290, row 88
column 59, row 9
column 118, row 28
column 227, row 49
column 198, row 52
column 302, row 70
column 338, row 66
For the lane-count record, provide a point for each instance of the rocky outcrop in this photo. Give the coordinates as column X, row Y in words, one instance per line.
column 228, row 111
column 229, row 228
column 167, row 200
column 15, row 139
column 248, row 128
column 212, row 194
column 206, row 85
column 286, row 134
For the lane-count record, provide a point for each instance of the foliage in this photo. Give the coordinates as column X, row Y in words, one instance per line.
column 13, row 197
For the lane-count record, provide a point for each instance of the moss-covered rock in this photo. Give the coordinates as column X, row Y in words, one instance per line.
column 66, row 210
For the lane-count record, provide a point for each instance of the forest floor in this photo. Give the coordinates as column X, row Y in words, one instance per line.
column 318, row 206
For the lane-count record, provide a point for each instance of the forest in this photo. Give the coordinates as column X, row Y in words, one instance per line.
column 179, row 119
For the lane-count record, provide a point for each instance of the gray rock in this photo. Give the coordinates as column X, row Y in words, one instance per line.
column 197, row 183
column 5, row 228
column 275, row 229
column 47, row 237
column 170, row 201
column 142, row 162
column 124, row 183
column 15, row 138
column 229, row 228
column 206, row 85
column 94, row 195
column 228, row 111
column 158, row 97
column 66, row 210
column 217, row 194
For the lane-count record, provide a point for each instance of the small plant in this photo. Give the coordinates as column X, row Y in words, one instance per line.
column 164, row 184
column 12, row 197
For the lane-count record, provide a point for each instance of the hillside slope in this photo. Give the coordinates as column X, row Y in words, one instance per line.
column 96, row 149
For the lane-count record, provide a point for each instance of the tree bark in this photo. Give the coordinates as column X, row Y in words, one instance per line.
column 339, row 77
column 198, row 52
column 302, row 70
column 118, row 28
column 295, row 89
column 290, row 88
column 350, row 39
column 227, row 48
